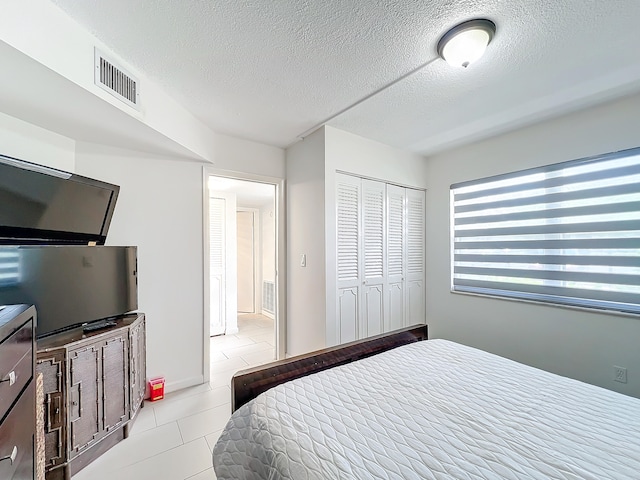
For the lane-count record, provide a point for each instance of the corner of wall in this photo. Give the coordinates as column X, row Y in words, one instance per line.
column 31, row 143
column 306, row 286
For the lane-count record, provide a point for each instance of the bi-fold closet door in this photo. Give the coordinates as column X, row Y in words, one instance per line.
column 380, row 257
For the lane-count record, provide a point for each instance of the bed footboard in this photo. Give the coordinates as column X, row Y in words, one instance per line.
column 248, row 384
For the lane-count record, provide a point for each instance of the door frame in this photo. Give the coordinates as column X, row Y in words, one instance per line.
column 281, row 258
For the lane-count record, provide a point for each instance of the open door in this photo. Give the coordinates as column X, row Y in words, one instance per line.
column 223, row 301
column 217, row 256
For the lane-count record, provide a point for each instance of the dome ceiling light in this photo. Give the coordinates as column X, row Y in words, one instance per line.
column 465, row 43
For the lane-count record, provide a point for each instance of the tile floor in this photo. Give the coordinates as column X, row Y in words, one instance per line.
column 172, row 439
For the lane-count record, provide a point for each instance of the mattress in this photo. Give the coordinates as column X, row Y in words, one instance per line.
column 433, row 410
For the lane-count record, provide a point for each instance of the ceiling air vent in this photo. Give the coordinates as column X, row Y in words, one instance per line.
column 116, row 80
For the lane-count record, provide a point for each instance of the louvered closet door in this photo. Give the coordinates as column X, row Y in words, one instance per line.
column 348, row 258
column 374, row 253
column 217, row 249
column 415, row 276
column 396, row 247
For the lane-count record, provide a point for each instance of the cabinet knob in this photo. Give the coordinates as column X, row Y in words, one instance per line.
column 12, row 457
column 11, row 378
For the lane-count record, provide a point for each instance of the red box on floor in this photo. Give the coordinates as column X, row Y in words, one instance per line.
column 156, row 389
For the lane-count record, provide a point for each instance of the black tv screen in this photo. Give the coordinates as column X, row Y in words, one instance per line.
column 69, row 285
column 42, row 205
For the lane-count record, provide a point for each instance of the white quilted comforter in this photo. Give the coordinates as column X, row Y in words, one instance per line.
column 433, row 410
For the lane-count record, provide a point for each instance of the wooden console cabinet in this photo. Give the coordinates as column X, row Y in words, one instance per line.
column 94, row 384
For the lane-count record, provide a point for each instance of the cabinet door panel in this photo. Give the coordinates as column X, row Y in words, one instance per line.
column 138, row 373
column 348, row 231
column 415, row 257
column 348, row 259
column 373, row 309
column 348, row 314
column 115, row 394
column 374, row 257
column 85, row 419
column 396, row 257
column 17, row 439
column 396, row 306
column 415, row 302
column 53, row 371
column 16, row 356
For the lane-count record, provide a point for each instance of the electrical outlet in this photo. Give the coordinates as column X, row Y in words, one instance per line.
column 620, row 374
column 303, row 260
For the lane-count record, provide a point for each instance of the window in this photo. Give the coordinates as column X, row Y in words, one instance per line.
column 9, row 266
column 566, row 234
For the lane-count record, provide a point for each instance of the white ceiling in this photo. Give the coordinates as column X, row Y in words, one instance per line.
column 270, row 71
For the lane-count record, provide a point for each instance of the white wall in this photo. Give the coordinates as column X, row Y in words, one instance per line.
column 305, row 235
column 357, row 155
column 28, row 142
column 43, row 32
column 239, row 155
column 578, row 344
column 159, row 210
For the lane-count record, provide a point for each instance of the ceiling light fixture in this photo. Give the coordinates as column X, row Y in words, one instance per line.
column 466, row 43
column 460, row 46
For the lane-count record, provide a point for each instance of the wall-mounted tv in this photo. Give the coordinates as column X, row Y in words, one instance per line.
column 69, row 285
column 42, row 205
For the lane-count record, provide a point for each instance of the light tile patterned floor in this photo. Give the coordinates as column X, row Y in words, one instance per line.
column 172, row 439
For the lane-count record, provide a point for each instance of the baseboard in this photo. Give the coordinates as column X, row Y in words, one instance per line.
column 231, row 331
column 183, row 383
column 268, row 315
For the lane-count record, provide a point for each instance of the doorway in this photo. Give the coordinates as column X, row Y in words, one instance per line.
column 244, row 254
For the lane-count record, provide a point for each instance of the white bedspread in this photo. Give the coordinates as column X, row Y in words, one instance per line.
column 433, row 410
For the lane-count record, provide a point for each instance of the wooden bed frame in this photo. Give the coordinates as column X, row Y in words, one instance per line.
column 248, row 384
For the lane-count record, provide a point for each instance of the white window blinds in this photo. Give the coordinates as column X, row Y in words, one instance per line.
column 567, row 233
column 9, row 266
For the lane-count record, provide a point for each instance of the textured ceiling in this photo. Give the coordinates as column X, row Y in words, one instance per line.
column 271, row 70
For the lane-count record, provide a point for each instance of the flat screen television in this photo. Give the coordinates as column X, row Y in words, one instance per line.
column 69, row 285
column 42, row 205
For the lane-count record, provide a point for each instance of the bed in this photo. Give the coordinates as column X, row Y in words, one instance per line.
column 431, row 409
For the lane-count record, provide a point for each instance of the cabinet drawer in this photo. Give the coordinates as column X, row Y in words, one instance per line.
column 16, row 439
column 16, row 365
